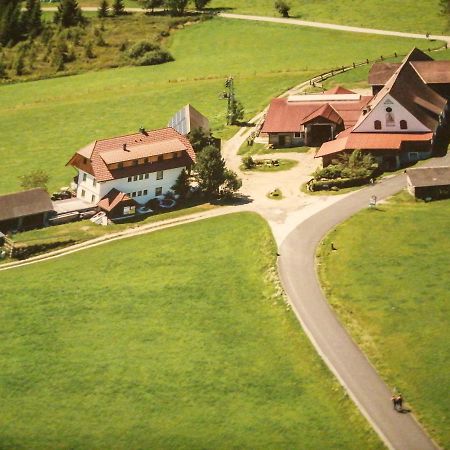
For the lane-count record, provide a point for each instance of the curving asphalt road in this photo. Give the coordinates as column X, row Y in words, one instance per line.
column 344, row 358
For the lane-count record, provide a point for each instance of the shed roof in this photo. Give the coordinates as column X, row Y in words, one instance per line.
column 187, row 119
column 370, row 141
column 429, row 176
column 113, row 198
column 26, row 203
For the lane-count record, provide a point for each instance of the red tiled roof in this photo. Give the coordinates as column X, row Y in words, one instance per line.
column 338, row 90
column 327, row 112
column 370, row 141
column 284, row 116
column 96, row 150
column 112, row 199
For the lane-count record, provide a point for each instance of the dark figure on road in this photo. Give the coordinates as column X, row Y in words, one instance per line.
column 397, row 401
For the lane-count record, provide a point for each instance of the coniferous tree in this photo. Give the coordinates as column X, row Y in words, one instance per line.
column 200, row 4
column 118, row 8
column 103, row 9
column 176, row 7
column 68, row 14
column 10, row 23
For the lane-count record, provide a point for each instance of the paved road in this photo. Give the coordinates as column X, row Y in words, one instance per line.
column 341, row 354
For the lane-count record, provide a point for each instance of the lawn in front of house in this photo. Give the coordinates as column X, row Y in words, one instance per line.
column 175, row 339
column 67, row 113
column 263, row 149
column 389, row 282
column 406, row 15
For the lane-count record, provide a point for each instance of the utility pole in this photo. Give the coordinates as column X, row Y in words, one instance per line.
column 229, row 95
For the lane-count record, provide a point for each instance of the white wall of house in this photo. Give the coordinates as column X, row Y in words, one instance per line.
column 145, row 182
column 88, row 189
column 390, row 121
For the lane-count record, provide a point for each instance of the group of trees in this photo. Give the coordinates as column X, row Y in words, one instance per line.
column 210, row 172
column 118, row 8
column 175, row 7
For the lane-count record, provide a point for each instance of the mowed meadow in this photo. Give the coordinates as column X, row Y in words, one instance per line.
column 405, row 15
column 389, row 282
column 43, row 123
column 141, row 343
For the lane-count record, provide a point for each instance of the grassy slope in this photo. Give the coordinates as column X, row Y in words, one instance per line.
column 42, row 123
column 404, row 15
column 389, row 281
column 142, row 353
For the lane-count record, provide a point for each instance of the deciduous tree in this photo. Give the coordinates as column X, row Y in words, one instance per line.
column 210, row 170
column 282, row 7
column 35, row 179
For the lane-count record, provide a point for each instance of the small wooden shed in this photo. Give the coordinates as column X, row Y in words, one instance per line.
column 25, row 210
column 429, row 182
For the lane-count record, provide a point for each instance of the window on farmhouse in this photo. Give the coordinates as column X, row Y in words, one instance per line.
column 159, row 175
column 403, row 125
column 139, row 193
column 94, row 183
column 146, row 176
column 133, row 194
column 83, row 193
column 135, row 178
column 93, row 199
column 158, row 191
column 141, row 177
column 129, row 179
column 84, row 177
column 297, row 135
column 377, row 124
column 145, row 192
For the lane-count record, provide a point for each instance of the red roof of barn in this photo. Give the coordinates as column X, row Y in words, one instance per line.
column 369, row 141
column 137, row 145
column 285, row 116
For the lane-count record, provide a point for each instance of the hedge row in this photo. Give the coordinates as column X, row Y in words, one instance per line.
column 340, row 183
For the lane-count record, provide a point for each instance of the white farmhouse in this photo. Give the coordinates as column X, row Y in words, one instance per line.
column 139, row 166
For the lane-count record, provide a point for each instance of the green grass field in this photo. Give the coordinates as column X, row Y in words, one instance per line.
column 42, row 123
column 404, row 15
column 389, row 282
column 136, row 344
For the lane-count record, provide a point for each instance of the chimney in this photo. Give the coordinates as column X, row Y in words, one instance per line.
column 142, row 130
column 125, row 148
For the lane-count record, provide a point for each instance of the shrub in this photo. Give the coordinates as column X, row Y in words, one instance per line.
column 154, row 57
column 140, row 48
column 248, row 162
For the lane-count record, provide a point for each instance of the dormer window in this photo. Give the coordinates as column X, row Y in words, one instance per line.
column 377, row 124
column 403, row 125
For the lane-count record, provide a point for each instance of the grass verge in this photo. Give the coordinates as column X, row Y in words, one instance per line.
column 389, row 281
